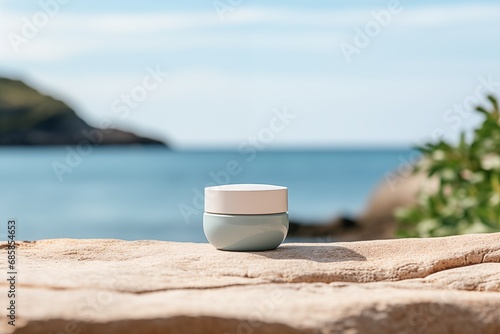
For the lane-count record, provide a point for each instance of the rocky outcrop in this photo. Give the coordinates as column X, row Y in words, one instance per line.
column 28, row 117
column 377, row 220
column 435, row 285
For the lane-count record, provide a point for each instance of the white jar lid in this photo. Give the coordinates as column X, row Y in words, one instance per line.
column 241, row 199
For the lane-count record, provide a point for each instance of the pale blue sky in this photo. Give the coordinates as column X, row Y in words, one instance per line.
column 226, row 75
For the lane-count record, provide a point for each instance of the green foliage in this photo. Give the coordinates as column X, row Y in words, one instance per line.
column 467, row 199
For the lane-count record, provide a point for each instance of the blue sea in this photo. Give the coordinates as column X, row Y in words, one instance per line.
column 154, row 193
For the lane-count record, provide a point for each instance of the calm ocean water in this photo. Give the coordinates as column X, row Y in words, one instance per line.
column 138, row 193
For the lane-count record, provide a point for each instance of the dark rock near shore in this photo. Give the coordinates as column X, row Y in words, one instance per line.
column 28, row 118
column 377, row 220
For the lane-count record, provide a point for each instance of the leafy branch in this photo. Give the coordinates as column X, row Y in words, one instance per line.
column 468, row 197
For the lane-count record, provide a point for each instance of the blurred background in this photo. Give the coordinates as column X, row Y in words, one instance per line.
column 115, row 115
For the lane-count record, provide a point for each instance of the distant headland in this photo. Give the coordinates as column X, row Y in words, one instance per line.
column 29, row 118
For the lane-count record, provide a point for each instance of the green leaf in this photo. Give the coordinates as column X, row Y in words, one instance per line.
column 468, row 198
column 493, row 101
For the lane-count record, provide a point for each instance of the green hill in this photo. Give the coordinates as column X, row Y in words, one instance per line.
column 28, row 117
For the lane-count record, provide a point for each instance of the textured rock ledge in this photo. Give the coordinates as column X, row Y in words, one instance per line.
column 440, row 285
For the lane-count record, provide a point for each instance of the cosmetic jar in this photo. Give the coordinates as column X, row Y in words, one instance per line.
column 246, row 217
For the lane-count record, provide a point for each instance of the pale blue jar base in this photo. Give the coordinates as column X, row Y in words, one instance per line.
column 245, row 232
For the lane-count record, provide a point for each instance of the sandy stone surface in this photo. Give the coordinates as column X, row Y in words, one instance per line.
column 434, row 285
